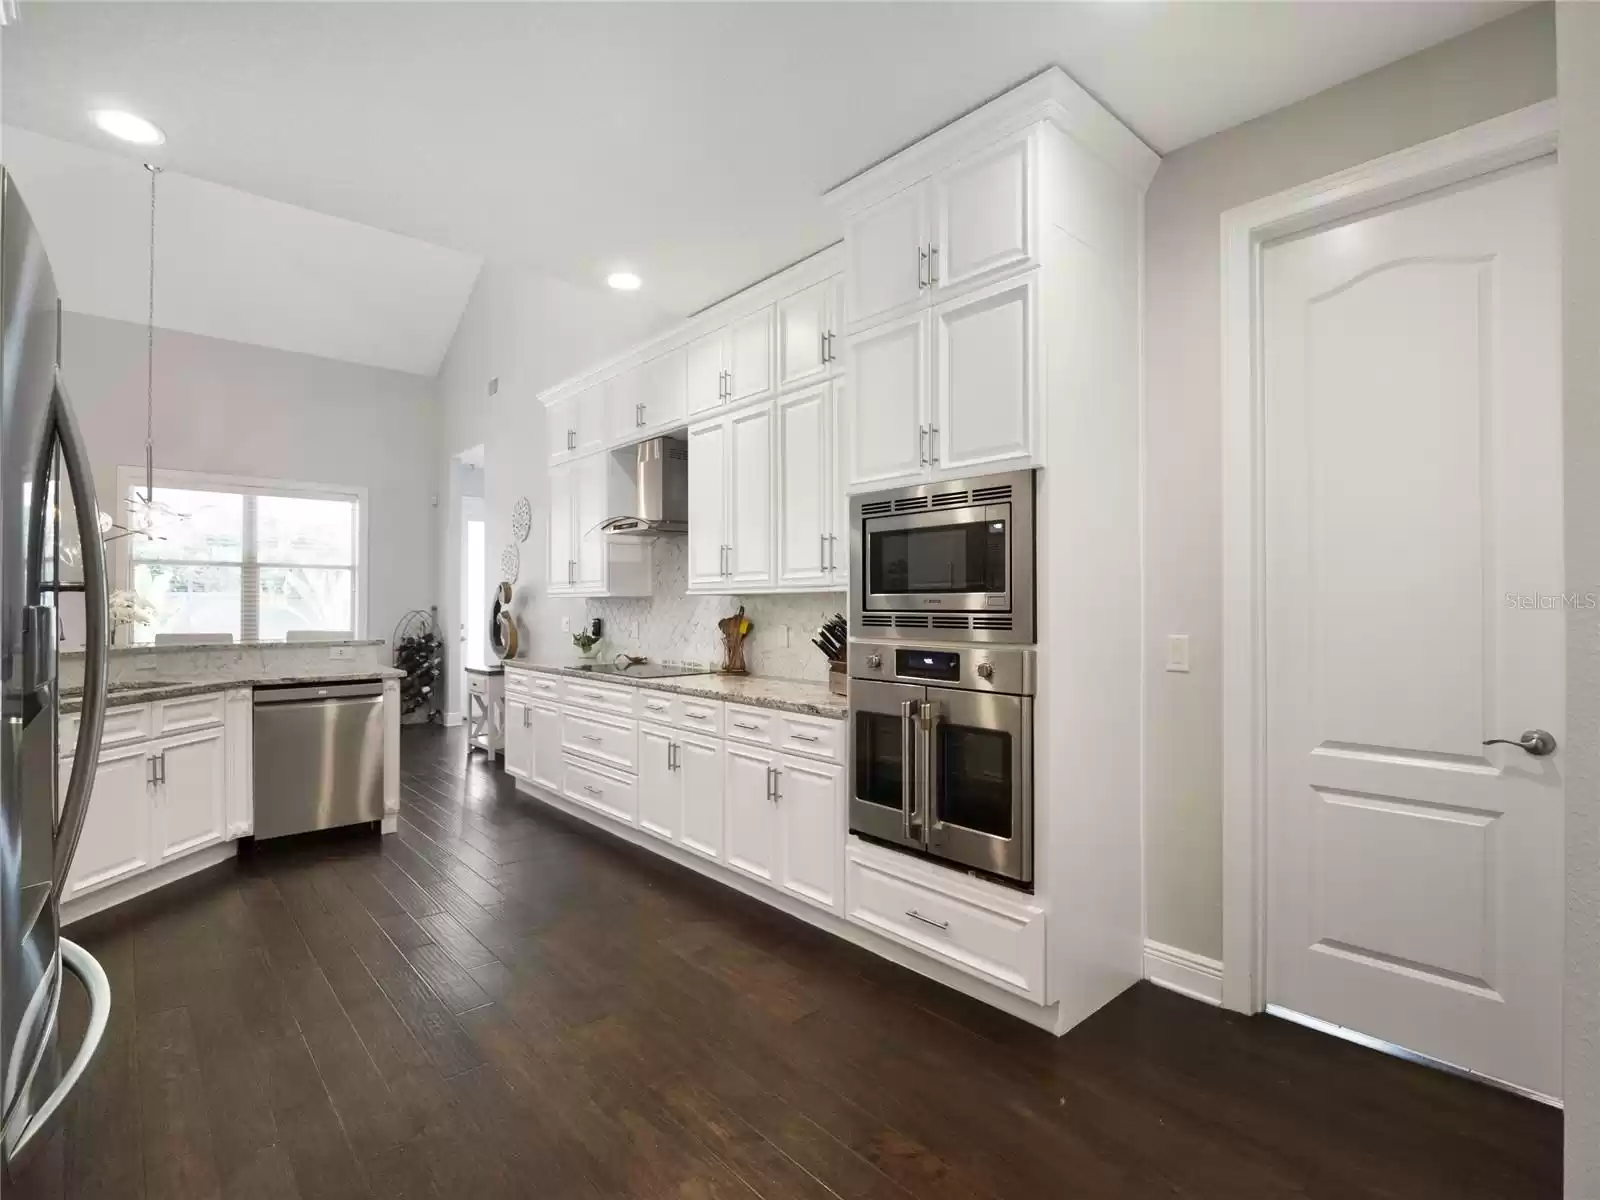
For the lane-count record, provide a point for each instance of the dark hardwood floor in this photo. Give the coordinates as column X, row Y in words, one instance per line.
column 502, row 1002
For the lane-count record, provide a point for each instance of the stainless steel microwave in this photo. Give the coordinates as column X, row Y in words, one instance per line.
column 953, row 560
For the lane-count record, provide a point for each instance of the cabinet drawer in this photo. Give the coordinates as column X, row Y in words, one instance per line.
column 613, row 742
column 682, row 712
column 122, row 725
column 758, row 725
column 190, row 712
column 521, row 683
column 547, row 687
column 608, row 792
column 815, row 737
column 985, row 934
column 602, row 699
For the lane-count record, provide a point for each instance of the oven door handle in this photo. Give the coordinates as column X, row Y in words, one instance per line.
column 909, row 755
column 928, row 720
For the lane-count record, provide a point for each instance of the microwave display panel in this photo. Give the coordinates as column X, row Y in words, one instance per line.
column 938, row 559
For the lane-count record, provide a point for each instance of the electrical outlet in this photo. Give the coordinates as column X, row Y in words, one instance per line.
column 566, row 624
column 342, row 653
column 633, row 631
column 781, row 636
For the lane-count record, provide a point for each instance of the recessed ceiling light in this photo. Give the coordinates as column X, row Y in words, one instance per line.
column 623, row 281
column 128, row 127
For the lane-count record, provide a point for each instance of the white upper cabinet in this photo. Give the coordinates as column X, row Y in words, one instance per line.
column 804, row 467
column 750, row 354
column 625, row 406
column 589, row 412
column 886, row 257
column 563, row 562
column 706, row 372
column 983, row 215
column 563, row 433
column 985, row 377
column 708, row 504
column 888, row 393
column 661, row 396
column 749, row 521
column 803, row 334
column 589, row 478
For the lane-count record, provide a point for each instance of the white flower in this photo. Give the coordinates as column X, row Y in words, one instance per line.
column 127, row 609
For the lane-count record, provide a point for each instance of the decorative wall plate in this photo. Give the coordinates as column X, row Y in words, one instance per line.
column 521, row 519
column 510, row 562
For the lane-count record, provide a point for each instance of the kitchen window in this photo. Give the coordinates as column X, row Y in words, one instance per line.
column 253, row 560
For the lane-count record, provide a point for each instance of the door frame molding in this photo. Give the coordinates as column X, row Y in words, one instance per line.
column 1504, row 141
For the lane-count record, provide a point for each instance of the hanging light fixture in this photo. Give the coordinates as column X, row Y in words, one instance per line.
column 142, row 509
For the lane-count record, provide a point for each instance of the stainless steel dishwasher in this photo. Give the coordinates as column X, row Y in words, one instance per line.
column 318, row 756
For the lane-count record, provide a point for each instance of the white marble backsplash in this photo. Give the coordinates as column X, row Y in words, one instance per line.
column 250, row 660
column 672, row 625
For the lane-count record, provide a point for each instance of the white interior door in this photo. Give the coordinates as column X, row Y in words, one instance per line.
column 1413, row 424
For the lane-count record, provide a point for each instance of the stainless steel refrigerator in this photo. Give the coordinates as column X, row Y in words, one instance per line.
column 46, row 501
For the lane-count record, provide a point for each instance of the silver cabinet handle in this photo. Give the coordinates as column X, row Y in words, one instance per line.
column 745, row 725
column 527, row 718
column 803, row 737
column 694, row 716
column 827, row 343
column 908, row 803
column 589, row 737
column 1535, row 741
column 922, row 269
column 933, row 443
column 833, row 553
column 672, row 756
column 942, row 926
column 933, row 266
column 922, row 444
column 593, row 791
column 655, row 707
column 150, row 770
column 822, row 552
column 822, row 345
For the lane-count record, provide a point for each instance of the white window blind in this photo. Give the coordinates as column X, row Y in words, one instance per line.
column 249, row 561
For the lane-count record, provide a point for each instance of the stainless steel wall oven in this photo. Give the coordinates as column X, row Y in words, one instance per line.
column 951, row 560
column 941, row 750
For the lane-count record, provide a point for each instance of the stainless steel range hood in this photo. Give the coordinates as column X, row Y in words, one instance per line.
column 661, row 491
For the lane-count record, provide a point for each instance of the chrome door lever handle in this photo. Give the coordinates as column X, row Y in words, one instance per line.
column 1535, row 741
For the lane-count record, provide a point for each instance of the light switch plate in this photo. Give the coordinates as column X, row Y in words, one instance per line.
column 341, row 653
column 1178, row 652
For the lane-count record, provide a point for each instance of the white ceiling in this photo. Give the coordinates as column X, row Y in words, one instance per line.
column 234, row 265
column 690, row 142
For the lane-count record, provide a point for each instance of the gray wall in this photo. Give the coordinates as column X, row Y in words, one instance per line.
column 1578, row 28
column 237, row 409
column 1492, row 70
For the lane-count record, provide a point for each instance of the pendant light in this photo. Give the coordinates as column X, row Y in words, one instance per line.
column 150, row 356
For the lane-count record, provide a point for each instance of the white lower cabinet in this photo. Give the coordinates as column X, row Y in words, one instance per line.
column 190, row 793
column 519, row 738
column 700, row 776
column 610, row 792
column 751, row 806
column 157, row 799
column 118, row 839
column 810, row 832
column 660, row 793
column 544, row 722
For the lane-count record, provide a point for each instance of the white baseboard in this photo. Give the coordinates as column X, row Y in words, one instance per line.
column 1194, row 975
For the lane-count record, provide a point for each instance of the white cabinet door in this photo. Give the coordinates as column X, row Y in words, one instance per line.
column 118, row 837
column 191, row 808
column 544, row 746
column 802, row 330
column 518, row 740
column 986, row 377
column 701, row 784
column 589, row 417
column 750, row 557
column 705, row 363
column 624, row 411
column 660, row 793
column 886, row 257
column 563, row 433
column 983, row 215
column 563, row 569
column 888, row 392
column 662, row 392
column 708, row 503
column 589, row 478
column 804, row 471
column 751, row 825
column 750, row 357
column 810, row 797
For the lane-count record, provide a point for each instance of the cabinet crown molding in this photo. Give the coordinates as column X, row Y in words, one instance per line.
column 1052, row 95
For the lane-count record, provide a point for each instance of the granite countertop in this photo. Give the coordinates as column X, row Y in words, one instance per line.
column 211, row 647
column 124, row 694
column 786, row 695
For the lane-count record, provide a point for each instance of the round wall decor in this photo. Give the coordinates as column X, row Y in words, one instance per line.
column 521, row 519
column 510, row 562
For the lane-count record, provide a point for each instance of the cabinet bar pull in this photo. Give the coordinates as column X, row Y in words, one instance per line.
column 822, row 346
column 943, row 926
column 922, row 269
column 827, row 344
column 803, row 737
column 745, row 725
column 589, row 737
column 822, row 552
column 593, row 791
column 694, row 716
column 933, row 443
column 933, row 266
column 922, row 444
